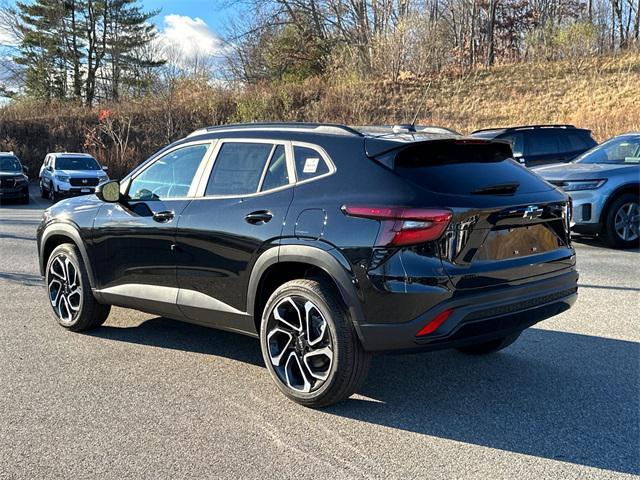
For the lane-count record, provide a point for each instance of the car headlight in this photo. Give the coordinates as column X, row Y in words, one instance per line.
column 102, row 178
column 62, row 178
column 575, row 185
column 21, row 180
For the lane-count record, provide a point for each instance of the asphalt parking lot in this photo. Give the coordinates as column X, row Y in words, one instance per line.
column 147, row 397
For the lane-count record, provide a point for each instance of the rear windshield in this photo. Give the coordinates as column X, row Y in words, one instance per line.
column 76, row 163
column 9, row 164
column 460, row 168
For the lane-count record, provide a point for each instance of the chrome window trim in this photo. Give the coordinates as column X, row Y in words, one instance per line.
column 207, row 166
column 196, row 177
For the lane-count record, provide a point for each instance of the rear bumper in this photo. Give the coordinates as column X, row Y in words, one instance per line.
column 478, row 317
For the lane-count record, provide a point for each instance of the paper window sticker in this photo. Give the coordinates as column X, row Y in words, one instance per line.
column 311, row 165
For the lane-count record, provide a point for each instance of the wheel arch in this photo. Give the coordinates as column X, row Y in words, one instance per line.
column 633, row 188
column 57, row 234
column 287, row 262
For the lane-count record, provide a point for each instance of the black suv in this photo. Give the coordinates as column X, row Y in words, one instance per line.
column 326, row 243
column 14, row 182
column 535, row 145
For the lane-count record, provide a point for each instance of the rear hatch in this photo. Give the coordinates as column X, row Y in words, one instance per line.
column 508, row 224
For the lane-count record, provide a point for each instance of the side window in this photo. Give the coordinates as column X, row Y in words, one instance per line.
column 542, row 142
column 276, row 174
column 170, row 176
column 238, row 168
column 578, row 141
column 309, row 163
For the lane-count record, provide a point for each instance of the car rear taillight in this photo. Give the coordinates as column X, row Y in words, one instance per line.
column 433, row 325
column 402, row 225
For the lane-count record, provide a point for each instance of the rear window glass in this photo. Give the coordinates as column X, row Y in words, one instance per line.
column 464, row 168
column 238, row 168
column 309, row 163
column 276, row 174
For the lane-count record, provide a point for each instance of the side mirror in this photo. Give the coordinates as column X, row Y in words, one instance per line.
column 105, row 168
column 50, row 168
column 25, row 170
column 109, row 191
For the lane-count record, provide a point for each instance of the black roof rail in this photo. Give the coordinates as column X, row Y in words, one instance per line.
column 524, row 127
column 326, row 128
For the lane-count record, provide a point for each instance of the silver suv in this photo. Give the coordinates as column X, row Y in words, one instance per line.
column 70, row 174
column 604, row 184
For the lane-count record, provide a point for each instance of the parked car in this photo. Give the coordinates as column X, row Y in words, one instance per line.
column 69, row 174
column 535, row 145
column 14, row 182
column 604, row 185
column 325, row 243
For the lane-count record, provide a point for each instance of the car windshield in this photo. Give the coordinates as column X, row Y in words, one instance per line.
column 9, row 164
column 77, row 163
column 619, row 150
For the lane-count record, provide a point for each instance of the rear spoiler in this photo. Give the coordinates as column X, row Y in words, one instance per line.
column 386, row 151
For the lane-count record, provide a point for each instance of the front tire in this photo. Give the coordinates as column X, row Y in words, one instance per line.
column 491, row 346
column 69, row 291
column 310, row 346
column 622, row 223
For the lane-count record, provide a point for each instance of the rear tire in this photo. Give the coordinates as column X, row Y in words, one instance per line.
column 310, row 346
column 69, row 291
column 622, row 224
column 44, row 193
column 491, row 346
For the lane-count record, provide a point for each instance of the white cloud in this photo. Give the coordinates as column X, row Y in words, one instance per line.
column 189, row 38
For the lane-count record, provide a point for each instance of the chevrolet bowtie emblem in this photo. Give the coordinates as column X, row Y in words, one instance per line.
column 532, row 211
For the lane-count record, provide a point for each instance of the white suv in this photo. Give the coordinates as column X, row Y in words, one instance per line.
column 70, row 174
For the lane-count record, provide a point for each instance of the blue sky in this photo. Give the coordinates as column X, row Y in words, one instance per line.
column 214, row 13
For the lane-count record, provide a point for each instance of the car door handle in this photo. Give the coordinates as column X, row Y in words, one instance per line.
column 163, row 217
column 259, row 217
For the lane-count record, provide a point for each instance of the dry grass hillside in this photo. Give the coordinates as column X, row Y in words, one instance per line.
column 602, row 94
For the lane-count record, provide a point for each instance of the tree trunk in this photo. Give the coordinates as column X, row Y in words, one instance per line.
column 491, row 41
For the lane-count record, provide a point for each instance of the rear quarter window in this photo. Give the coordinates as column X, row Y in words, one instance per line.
column 309, row 163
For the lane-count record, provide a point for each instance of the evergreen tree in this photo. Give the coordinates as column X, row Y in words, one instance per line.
column 42, row 52
column 83, row 49
column 128, row 32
